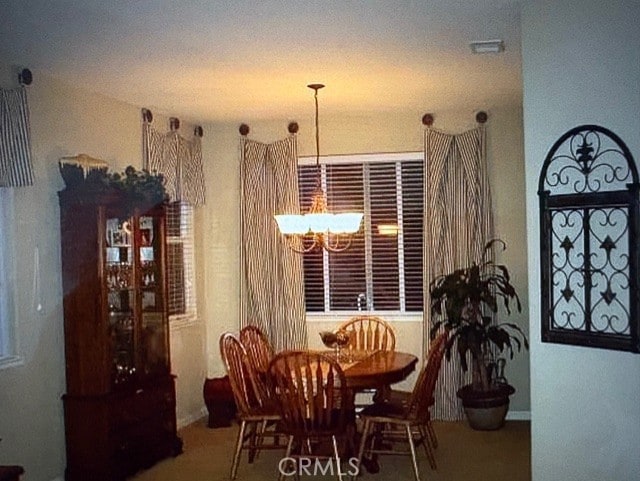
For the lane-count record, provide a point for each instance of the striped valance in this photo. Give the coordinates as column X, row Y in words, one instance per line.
column 16, row 168
column 180, row 162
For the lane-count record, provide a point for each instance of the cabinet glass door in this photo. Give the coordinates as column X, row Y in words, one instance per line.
column 120, row 287
column 153, row 330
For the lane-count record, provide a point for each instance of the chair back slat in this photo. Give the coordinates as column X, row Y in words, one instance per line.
column 260, row 352
column 246, row 390
column 369, row 333
column 311, row 392
column 422, row 396
column 257, row 346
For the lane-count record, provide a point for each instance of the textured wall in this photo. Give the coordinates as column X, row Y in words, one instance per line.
column 580, row 65
column 65, row 120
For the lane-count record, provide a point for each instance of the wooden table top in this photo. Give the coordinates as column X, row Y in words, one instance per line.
column 379, row 369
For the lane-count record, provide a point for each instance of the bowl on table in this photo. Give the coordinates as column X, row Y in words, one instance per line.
column 335, row 340
column 329, row 339
column 343, row 338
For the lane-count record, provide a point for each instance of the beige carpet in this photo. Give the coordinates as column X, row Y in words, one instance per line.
column 463, row 454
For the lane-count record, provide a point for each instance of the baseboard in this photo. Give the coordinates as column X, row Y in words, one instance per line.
column 519, row 416
column 191, row 418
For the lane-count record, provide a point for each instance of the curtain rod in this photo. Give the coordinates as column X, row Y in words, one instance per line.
column 174, row 122
column 481, row 118
column 293, row 128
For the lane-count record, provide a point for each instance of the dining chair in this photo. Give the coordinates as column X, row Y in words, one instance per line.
column 258, row 347
column 405, row 414
column 369, row 333
column 255, row 411
column 315, row 405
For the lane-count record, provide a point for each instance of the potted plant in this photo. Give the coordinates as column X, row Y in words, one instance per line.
column 463, row 302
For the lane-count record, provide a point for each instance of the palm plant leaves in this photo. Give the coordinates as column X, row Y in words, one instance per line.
column 459, row 301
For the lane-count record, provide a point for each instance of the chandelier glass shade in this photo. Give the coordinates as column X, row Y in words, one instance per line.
column 319, row 228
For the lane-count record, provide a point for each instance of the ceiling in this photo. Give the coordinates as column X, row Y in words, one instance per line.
column 208, row 60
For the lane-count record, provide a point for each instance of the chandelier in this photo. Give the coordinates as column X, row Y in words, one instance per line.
column 319, row 228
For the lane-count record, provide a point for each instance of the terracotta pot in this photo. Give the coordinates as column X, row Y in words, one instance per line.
column 486, row 410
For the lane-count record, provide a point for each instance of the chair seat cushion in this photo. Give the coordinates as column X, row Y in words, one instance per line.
column 384, row 409
column 398, row 398
column 402, row 398
column 336, row 424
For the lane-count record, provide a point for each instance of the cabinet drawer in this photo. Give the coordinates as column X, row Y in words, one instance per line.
column 136, row 407
column 150, row 401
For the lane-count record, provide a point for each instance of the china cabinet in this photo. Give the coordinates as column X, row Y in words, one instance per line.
column 120, row 402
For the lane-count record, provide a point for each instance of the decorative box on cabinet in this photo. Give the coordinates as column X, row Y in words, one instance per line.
column 120, row 402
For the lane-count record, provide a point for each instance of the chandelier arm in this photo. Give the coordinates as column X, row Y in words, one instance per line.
column 337, row 245
column 291, row 243
column 328, row 242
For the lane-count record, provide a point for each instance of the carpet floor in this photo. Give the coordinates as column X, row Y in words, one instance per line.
column 462, row 454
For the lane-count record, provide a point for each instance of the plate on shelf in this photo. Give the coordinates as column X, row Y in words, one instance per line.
column 118, row 233
column 112, row 225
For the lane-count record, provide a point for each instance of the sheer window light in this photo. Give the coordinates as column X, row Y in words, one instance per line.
column 181, row 263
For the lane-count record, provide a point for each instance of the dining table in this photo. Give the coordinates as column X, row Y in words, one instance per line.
column 376, row 369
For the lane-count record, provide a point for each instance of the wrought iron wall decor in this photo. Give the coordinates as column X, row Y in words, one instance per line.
column 589, row 215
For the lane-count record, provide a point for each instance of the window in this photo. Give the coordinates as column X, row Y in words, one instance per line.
column 382, row 270
column 7, row 318
column 180, row 264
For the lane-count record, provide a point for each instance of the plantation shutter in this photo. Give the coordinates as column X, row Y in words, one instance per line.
column 382, row 270
column 180, row 259
column 412, row 227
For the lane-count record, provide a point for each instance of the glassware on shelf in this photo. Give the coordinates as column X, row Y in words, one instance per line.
column 123, row 373
column 148, row 277
column 118, row 276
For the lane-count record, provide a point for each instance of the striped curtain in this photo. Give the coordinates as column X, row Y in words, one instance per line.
column 16, row 169
column 458, row 223
column 272, row 284
column 179, row 160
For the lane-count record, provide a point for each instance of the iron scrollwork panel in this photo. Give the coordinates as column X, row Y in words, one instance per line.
column 589, row 227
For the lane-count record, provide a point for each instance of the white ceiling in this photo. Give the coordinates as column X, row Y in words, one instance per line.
column 242, row 60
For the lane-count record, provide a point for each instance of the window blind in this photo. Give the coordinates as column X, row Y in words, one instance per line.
column 180, row 261
column 382, row 270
